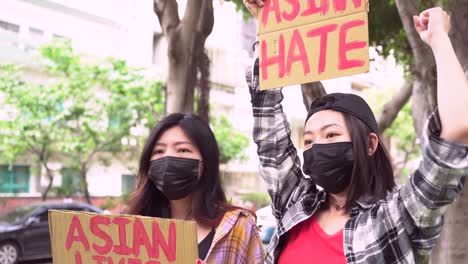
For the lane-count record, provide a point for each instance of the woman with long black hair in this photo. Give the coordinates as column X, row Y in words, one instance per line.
column 358, row 215
column 179, row 178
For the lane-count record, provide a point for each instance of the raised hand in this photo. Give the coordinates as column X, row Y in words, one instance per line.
column 431, row 24
column 253, row 6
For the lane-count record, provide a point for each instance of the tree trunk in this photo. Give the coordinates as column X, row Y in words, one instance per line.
column 392, row 107
column 452, row 247
column 84, row 182
column 205, row 26
column 311, row 91
column 186, row 38
column 50, row 177
column 204, row 88
column 424, row 69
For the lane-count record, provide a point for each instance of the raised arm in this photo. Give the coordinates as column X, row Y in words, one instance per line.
column 280, row 166
column 433, row 26
column 438, row 180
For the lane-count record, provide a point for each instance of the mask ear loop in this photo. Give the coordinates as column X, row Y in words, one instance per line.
column 200, row 169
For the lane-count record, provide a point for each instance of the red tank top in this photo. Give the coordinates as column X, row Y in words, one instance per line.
column 308, row 243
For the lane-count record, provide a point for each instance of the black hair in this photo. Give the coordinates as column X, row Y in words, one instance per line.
column 372, row 177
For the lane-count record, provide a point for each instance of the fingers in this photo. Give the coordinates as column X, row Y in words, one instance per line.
column 259, row 3
column 417, row 24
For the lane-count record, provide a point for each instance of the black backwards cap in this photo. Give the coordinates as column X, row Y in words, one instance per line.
column 346, row 103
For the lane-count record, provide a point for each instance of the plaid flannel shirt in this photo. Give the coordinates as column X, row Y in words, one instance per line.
column 402, row 228
column 236, row 240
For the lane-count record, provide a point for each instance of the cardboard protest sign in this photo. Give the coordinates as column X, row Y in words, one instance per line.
column 310, row 40
column 84, row 238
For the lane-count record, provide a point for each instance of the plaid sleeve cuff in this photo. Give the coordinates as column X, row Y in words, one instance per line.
column 443, row 152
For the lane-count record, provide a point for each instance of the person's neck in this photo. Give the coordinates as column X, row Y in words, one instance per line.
column 182, row 209
column 337, row 202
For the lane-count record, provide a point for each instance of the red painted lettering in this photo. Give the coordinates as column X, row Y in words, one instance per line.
column 344, row 47
column 122, row 248
column 269, row 61
column 269, row 6
column 101, row 259
column 340, row 5
column 297, row 43
column 153, row 262
column 75, row 225
column 78, row 258
column 140, row 238
column 313, row 9
column 134, row 261
column 94, row 226
column 168, row 247
column 322, row 32
column 295, row 8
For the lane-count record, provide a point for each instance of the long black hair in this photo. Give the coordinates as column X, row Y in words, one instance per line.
column 372, row 177
column 209, row 201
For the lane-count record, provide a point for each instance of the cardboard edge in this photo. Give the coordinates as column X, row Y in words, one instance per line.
column 50, row 214
column 118, row 215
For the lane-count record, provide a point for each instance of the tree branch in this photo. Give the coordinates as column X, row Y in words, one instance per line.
column 168, row 15
column 311, row 91
column 407, row 9
column 392, row 107
column 206, row 21
column 192, row 14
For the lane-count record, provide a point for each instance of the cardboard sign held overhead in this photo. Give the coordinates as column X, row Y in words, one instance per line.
column 86, row 238
column 303, row 41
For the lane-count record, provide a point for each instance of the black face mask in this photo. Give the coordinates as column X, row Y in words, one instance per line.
column 174, row 177
column 330, row 165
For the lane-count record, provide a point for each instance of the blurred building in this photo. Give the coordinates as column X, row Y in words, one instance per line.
column 121, row 28
column 130, row 30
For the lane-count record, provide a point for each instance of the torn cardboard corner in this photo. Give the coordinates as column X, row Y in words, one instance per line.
column 301, row 41
column 82, row 238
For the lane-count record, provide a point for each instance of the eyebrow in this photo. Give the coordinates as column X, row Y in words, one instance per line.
column 176, row 144
column 323, row 128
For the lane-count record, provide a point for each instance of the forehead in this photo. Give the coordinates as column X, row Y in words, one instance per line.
column 323, row 118
column 172, row 135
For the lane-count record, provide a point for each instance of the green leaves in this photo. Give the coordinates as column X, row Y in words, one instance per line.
column 231, row 143
column 401, row 132
column 80, row 110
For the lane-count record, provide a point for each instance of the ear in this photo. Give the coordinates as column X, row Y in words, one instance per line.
column 372, row 143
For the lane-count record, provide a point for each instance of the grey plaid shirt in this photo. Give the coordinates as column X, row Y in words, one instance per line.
column 403, row 228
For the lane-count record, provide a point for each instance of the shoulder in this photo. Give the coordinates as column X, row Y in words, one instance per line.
column 241, row 217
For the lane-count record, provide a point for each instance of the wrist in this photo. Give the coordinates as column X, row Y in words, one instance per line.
column 439, row 40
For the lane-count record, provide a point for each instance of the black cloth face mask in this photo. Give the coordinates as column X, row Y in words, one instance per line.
column 330, row 165
column 174, row 177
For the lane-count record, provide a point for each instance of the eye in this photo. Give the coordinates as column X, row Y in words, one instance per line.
column 184, row 150
column 307, row 142
column 331, row 135
column 158, row 151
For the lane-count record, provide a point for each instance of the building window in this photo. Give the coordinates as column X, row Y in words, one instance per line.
column 36, row 34
column 14, row 179
column 5, row 26
column 9, row 26
column 128, row 183
column 35, row 37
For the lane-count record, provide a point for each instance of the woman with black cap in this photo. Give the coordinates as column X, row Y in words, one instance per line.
column 358, row 215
